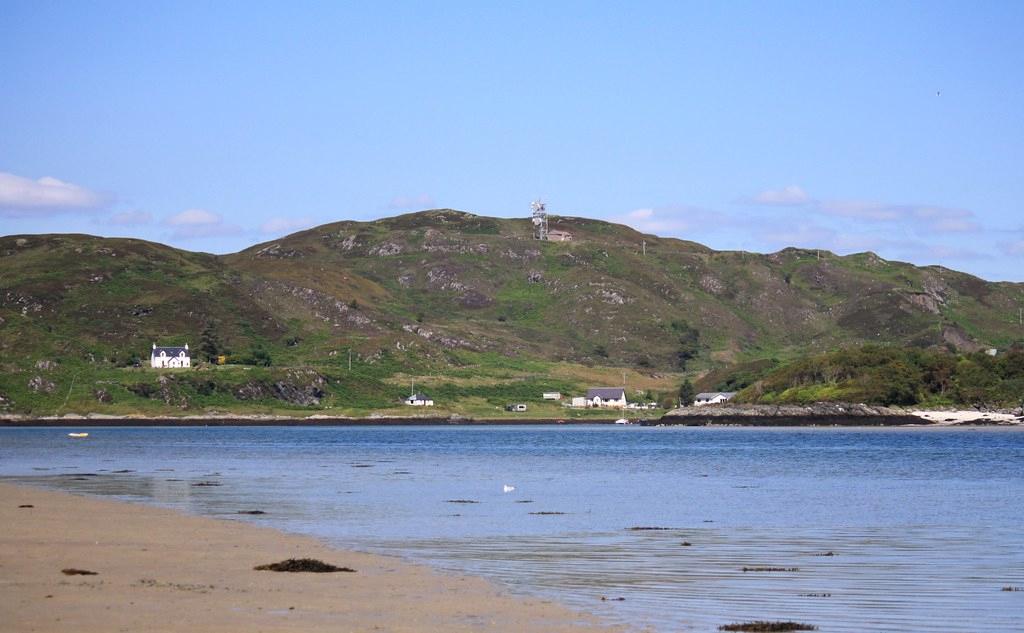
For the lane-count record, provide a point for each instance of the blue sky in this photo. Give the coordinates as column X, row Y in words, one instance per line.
column 892, row 127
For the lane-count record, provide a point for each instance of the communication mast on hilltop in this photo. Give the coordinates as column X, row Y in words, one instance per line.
column 540, row 220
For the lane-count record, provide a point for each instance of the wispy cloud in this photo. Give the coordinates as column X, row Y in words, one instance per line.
column 787, row 196
column 130, row 218
column 421, row 201
column 673, row 219
column 199, row 223
column 919, row 217
column 277, row 226
column 930, row 218
column 1014, row 247
column 47, row 195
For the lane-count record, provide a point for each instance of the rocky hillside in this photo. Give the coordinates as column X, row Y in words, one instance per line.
column 439, row 287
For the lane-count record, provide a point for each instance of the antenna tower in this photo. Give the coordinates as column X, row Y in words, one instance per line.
column 540, row 220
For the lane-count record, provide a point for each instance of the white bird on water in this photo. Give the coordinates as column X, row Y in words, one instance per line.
column 507, row 488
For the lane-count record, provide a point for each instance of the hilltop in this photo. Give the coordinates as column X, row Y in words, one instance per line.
column 465, row 302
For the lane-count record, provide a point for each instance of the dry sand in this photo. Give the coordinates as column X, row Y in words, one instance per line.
column 159, row 570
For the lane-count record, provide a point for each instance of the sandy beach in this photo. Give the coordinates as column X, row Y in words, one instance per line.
column 159, row 570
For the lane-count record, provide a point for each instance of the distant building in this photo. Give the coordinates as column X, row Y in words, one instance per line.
column 168, row 357
column 518, row 407
column 606, row 397
column 559, row 236
column 713, row 397
column 419, row 400
column 551, row 395
column 991, row 351
column 578, row 402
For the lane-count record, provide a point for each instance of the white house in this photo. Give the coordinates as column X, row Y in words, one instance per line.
column 578, row 402
column 419, row 400
column 165, row 357
column 551, row 395
column 713, row 397
column 606, row 397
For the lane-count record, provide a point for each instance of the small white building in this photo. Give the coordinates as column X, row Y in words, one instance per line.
column 555, row 235
column 578, row 402
column 168, row 357
column 551, row 395
column 606, row 397
column 713, row 397
column 419, row 400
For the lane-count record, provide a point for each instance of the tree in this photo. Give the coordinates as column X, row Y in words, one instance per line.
column 689, row 342
column 209, row 343
column 686, row 393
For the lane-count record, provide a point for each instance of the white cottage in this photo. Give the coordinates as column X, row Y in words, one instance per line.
column 419, row 400
column 713, row 397
column 167, row 357
column 606, row 397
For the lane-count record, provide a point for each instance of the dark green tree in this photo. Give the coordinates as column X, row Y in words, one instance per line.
column 209, row 343
column 686, row 393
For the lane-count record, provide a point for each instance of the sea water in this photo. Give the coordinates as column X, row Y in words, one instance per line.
column 881, row 529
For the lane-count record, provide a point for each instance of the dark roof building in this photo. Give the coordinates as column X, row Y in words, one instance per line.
column 606, row 393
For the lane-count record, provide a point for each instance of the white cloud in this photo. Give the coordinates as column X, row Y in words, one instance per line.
column 673, row 220
column 199, row 223
column 421, row 201
column 194, row 217
column 20, row 195
column 286, row 225
column 787, row 196
column 130, row 218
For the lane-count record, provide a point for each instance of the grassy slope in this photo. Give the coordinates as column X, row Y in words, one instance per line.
column 448, row 297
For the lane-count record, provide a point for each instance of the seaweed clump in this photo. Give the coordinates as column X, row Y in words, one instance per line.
column 761, row 626
column 746, row 569
column 302, row 564
column 71, row 571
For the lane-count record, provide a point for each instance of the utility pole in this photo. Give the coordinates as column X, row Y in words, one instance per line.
column 643, row 247
column 350, row 359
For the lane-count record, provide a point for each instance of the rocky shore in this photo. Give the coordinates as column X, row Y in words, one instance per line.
column 818, row 414
column 94, row 420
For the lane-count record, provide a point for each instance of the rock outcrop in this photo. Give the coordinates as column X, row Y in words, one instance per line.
column 818, row 414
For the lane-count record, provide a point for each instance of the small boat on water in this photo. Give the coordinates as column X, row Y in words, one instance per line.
column 78, row 435
column 623, row 421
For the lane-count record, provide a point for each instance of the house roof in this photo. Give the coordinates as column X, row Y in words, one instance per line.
column 606, row 393
column 709, row 395
column 170, row 351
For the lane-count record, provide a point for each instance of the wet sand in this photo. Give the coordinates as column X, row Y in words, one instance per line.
column 159, row 570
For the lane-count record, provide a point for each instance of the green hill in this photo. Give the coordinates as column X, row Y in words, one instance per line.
column 467, row 305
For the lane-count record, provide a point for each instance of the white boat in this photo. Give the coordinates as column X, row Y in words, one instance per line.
column 623, row 421
column 78, row 435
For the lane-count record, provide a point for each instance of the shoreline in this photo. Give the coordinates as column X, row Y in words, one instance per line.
column 822, row 414
column 162, row 570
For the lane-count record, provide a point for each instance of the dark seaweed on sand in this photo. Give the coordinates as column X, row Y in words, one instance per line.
column 767, row 627
column 71, row 571
column 302, row 564
column 746, row 569
column 251, row 512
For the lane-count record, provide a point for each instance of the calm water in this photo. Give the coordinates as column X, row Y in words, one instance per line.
column 925, row 526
